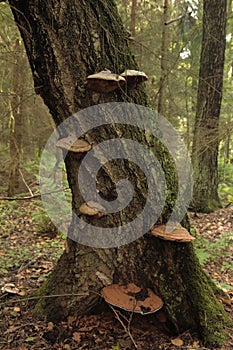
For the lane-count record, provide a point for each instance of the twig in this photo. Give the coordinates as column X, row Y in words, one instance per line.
column 23, row 267
column 33, row 196
column 46, row 297
column 127, row 329
column 25, row 183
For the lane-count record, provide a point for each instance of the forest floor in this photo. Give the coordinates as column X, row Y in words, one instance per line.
column 29, row 250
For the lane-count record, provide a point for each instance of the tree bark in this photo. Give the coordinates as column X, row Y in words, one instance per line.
column 66, row 41
column 206, row 138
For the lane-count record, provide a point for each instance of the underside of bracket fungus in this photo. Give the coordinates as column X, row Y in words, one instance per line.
column 179, row 234
column 71, row 144
column 132, row 298
column 104, row 81
column 134, row 77
column 92, row 208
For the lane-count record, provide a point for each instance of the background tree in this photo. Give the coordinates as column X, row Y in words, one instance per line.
column 206, row 131
column 77, row 39
column 25, row 123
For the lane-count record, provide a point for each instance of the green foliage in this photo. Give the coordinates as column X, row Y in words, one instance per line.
column 226, row 182
column 220, row 249
column 16, row 256
column 29, row 339
column 116, row 347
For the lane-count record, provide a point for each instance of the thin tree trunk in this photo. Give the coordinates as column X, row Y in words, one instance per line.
column 78, row 39
column 15, row 184
column 163, row 58
column 206, row 139
column 133, row 18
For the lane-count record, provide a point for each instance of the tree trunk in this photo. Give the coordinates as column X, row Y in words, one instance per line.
column 133, row 18
column 163, row 64
column 66, row 41
column 206, row 138
column 15, row 183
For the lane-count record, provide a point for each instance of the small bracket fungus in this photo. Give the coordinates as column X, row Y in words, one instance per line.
column 179, row 234
column 134, row 77
column 104, row 81
column 92, row 208
column 132, row 298
column 71, row 144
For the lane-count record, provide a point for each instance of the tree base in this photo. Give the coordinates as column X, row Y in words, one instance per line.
column 171, row 270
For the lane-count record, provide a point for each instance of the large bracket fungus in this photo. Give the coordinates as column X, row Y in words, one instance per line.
column 132, row 298
column 179, row 234
column 104, row 81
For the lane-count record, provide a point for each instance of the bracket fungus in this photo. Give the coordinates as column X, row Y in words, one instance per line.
column 134, row 77
column 92, row 208
column 104, row 81
column 132, row 298
column 71, row 143
column 179, row 234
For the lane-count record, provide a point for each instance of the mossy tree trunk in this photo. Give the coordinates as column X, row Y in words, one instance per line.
column 206, row 138
column 66, row 41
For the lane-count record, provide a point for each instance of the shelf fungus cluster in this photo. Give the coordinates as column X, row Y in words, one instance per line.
column 106, row 81
column 92, row 208
column 179, row 234
column 132, row 298
column 70, row 143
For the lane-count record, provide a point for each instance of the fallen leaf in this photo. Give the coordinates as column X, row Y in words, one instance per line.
column 22, row 293
column 177, row 342
column 17, row 309
column 70, row 320
column 11, row 329
column 77, row 336
column 196, row 344
column 50, row 326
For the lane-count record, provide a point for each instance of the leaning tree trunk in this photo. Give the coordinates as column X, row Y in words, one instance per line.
column 66, row 41
column 206, row 137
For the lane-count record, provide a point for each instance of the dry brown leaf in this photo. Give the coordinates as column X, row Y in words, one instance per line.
column 70, row 320
column 196, row 344
column 77, row 336
column 22, row 293
column 50, row 326
column 17, row 309
column 11, row 329
column 177, row 342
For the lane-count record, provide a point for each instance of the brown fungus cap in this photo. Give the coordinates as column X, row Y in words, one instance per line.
column 134, row 77
column 92, row 208
column 73, row 145
column 132, row 298
column 179, row 234
column 104, row 81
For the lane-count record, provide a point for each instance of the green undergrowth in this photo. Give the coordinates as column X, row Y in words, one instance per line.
column 25, row 237
column 225, row 187
column 218, row 251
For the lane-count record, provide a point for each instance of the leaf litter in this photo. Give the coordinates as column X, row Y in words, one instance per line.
column 28, row 254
